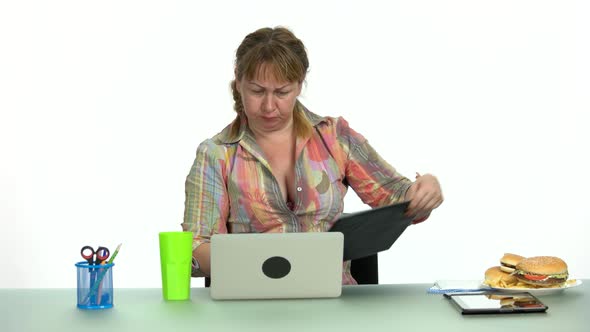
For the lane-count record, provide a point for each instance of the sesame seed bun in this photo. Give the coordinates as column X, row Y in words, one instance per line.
column 543, row 265
column 542, row 271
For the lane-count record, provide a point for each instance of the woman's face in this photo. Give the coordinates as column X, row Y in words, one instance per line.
column 268, row 103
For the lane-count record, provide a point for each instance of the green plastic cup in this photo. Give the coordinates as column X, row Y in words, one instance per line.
column 176, row 249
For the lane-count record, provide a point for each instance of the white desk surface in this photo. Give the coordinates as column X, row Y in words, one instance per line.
column 360, row 309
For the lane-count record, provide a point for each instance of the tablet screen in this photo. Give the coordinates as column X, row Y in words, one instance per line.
column 498, row 303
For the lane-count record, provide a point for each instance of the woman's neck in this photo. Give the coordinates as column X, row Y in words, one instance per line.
column 281, row 136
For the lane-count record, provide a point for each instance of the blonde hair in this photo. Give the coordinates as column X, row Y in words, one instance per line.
column 279, row 51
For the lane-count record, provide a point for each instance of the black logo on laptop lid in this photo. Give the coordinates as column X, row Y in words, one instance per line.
column 276, row 267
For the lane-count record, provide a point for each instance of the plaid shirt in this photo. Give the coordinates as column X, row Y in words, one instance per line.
column 230, row 187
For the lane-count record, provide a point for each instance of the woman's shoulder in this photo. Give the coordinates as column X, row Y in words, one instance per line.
column 337, row 129
column 325, row 123
column 333, row 125
column 222, row 140
column 213, row 147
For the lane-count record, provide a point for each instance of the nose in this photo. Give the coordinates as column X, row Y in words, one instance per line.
column 268, row 103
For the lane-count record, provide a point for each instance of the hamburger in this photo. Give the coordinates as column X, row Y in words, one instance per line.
column 542, row 271
column 519, row 301
column 508, row 262
column 495, row 277
column 511, row 301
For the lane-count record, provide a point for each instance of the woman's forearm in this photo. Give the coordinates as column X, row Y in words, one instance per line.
column 203, row 255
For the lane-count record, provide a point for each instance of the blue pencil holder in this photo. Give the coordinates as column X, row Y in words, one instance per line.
column 95, row 286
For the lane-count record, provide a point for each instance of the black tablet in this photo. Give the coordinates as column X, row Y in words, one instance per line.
column 493, row 303
column 372, row 231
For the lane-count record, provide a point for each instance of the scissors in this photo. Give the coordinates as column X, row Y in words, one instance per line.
column 95, row 257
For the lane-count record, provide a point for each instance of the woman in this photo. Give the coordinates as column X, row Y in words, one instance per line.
column 278, row 167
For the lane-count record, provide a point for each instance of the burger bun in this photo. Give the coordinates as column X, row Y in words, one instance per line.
column 542, row 271
column 509, row 261
column 495, row 277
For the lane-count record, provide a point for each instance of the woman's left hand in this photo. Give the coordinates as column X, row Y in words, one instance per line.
column 424, row 195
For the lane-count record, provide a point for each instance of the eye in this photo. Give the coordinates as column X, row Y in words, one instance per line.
column 282, row 93
column 257, row 92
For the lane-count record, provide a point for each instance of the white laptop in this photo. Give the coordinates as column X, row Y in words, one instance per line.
column 276, row 265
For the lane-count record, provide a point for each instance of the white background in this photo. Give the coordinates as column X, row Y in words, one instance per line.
column 103, row 104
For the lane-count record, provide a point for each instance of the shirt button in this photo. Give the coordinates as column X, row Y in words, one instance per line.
column 299, row 189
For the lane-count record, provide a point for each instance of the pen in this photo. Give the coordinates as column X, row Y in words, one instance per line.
column 99, row 295
column 115, row 253
column 96, row 285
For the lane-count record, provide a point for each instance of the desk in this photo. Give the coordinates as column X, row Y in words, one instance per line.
column 360, row 309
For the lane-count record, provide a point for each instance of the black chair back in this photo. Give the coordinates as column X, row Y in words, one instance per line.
column 365, row 270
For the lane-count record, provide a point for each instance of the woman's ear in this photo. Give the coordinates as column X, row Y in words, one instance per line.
column 238, row 86
column 299, row 87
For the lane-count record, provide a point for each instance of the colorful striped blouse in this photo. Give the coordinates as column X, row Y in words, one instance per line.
column 231, row 189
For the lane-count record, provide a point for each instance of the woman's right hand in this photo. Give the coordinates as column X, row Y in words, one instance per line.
column 424, row 195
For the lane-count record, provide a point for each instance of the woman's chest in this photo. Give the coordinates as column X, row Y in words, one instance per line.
column 257, row 189
column 282, row 167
